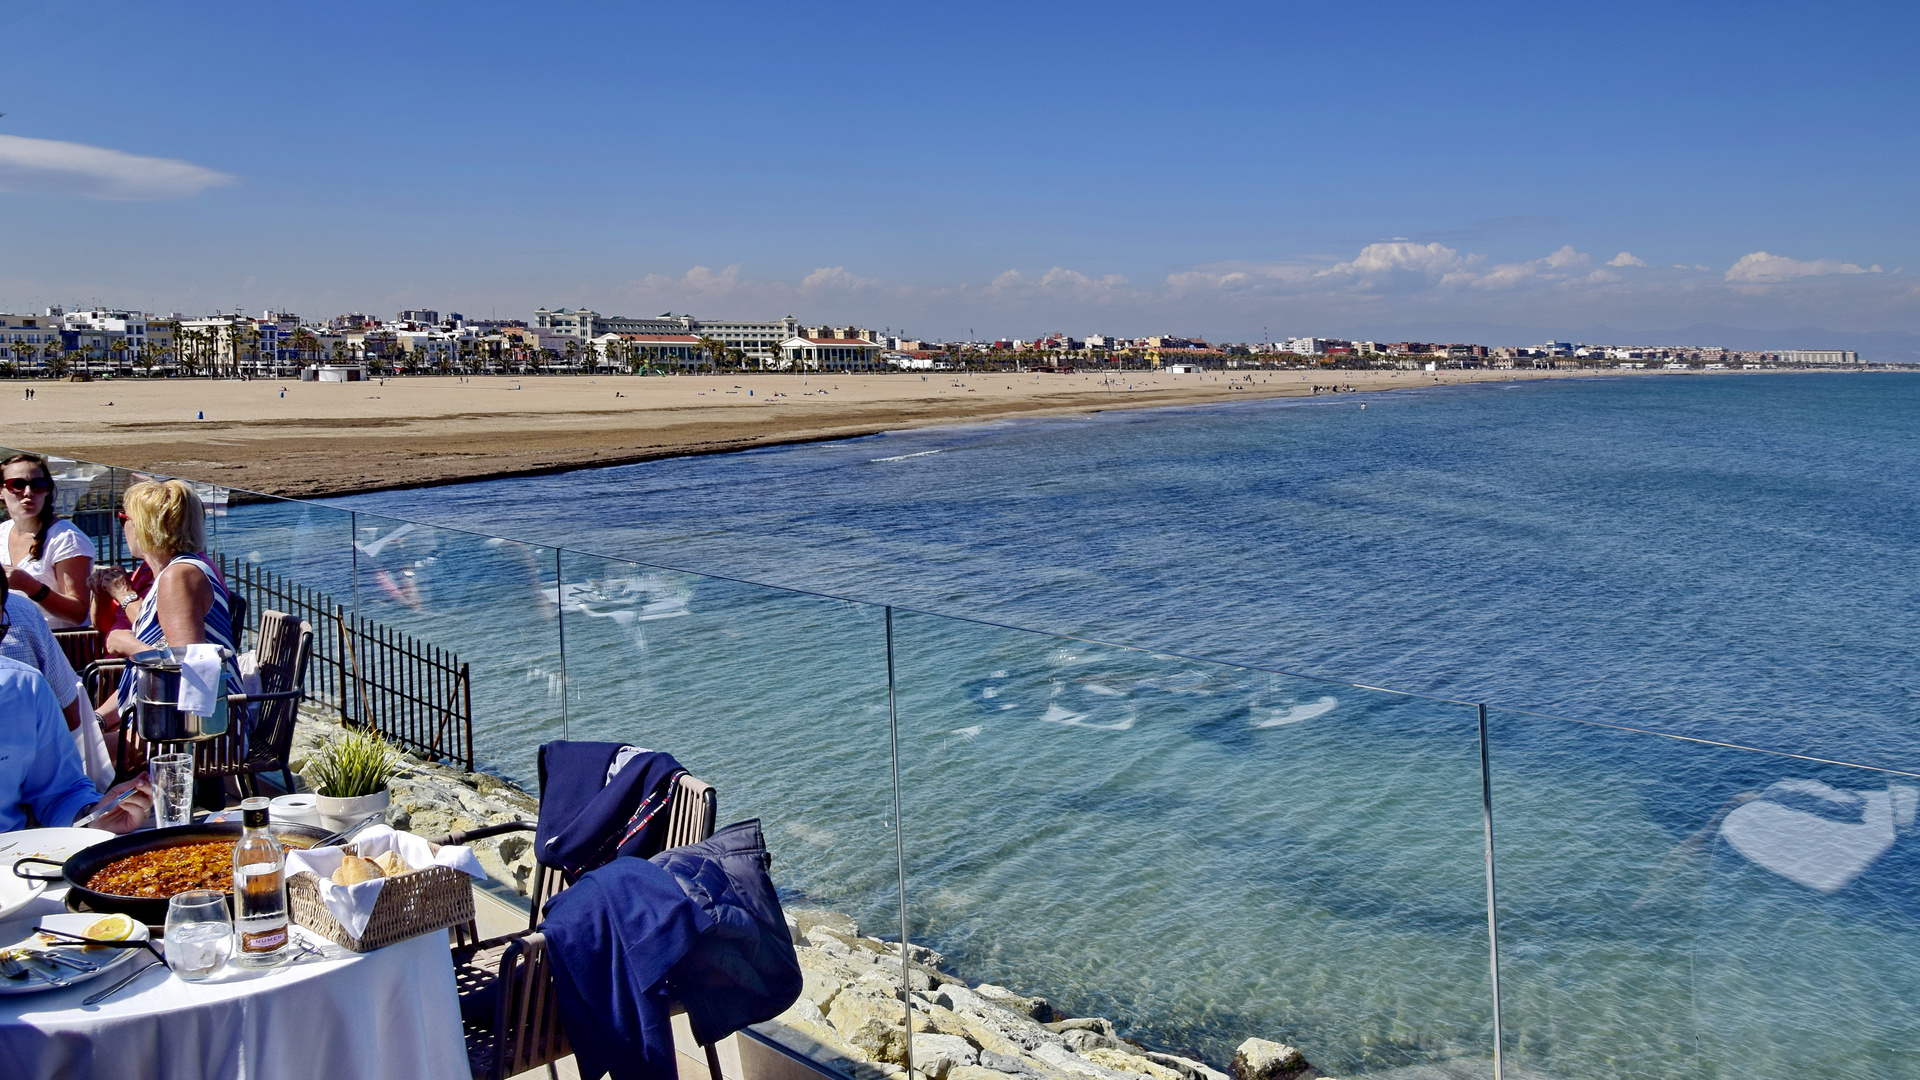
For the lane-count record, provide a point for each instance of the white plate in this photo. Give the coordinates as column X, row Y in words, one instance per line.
column 16, row 893
column 56, row 844
column 109, row 960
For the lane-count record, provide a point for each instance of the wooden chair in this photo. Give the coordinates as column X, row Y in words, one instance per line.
column 82, row 645
column 255, row 742
column 517, row 971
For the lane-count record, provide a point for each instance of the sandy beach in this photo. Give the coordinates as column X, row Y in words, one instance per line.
column 306, row 439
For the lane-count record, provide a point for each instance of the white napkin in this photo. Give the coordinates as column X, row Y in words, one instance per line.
column 200, row 679
column 352, row 905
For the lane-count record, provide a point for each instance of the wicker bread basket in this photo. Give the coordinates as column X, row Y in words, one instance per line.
column 410, row 904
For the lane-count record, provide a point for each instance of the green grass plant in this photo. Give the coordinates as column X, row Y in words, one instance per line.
column 360, row 763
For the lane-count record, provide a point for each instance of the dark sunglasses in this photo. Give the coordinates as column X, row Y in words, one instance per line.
column 20, row 485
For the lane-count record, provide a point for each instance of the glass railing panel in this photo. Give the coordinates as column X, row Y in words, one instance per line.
column 1675, row 908
column 1200, row 853
column 295, row 557
column 778, row 699
column 431, row 604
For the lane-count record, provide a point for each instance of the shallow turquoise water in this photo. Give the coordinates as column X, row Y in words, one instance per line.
column 1205, row 851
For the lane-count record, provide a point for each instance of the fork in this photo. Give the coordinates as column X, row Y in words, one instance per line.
column 12, row 968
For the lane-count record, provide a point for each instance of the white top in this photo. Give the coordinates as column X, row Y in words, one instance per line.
column 63, row 541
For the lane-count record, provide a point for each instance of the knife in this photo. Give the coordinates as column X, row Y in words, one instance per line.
column 117, row 800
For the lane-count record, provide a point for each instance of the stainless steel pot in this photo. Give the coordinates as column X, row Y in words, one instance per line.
column 157, row 715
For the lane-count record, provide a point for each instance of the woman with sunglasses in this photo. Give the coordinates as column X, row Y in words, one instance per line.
column 46, row 559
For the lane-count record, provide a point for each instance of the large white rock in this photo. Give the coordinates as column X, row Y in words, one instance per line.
column 1034, row 1007
column 1187, row 1067
column 1081, row 1040
column 1263, row 1059
column 1120, row 1060
column 935, row 1055
column 1066, row 1061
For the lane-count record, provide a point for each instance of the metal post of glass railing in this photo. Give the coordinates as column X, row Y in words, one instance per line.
column 1493, row 921
column 899, row 844
column 560, row 621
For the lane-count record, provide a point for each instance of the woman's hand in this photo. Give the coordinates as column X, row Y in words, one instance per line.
column 130, row 814
column 110, row 582
column 20, row 581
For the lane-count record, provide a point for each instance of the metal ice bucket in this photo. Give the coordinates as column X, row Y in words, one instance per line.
column 157, row 715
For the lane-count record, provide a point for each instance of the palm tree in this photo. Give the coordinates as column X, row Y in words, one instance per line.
column 716, row 351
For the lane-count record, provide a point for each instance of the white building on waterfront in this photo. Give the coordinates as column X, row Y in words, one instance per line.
column 758, row 339
column 831, row 353
column 24, row 337
column 1819, row 356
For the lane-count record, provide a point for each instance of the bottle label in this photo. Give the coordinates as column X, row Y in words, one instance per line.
column 264, row 940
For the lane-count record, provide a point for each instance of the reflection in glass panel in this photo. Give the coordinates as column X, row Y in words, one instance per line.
column 1199, row 852
column 422, row 593
column 778, row 699
column 1669, row 908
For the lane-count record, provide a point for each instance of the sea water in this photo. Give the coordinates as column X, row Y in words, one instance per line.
column 1206, row 851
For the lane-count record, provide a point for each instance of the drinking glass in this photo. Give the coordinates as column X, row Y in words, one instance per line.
column 199, row 933
column 172, row 777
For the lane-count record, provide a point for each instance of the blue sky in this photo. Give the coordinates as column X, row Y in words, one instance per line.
column 1225, row 169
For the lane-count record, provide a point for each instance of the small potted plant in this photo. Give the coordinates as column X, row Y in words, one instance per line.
column 349, row 779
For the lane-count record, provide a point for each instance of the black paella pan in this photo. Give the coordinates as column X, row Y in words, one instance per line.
column 82, row 865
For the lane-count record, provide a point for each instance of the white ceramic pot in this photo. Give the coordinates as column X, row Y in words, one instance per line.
column 338, row 814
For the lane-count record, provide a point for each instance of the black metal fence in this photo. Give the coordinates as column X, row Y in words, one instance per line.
column 415, row 694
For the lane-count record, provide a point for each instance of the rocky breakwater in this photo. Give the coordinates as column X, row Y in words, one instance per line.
column 852, row 1016
column 430, row 799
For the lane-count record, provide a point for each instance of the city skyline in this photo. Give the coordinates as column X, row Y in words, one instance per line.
column 1237, row 171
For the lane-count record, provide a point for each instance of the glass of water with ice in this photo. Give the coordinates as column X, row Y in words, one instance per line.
column 172, row 778
column 199, row 933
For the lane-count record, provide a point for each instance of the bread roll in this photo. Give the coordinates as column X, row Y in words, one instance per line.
column 392, row 864
column 354, row 869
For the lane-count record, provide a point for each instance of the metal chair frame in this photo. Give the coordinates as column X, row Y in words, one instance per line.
column 285, row 650
column 526, row 1032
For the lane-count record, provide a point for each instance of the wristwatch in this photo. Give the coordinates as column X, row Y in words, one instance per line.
column 41, row 593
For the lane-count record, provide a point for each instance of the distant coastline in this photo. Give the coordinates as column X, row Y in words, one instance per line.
column 305, row 440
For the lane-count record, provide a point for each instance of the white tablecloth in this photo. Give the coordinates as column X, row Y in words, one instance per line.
column 391, row 1014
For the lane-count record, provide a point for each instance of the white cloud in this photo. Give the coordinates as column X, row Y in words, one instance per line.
column 1626, row 258
column 1761, row 268
column 835, row 279
column 47, row 166
column 1399, row 255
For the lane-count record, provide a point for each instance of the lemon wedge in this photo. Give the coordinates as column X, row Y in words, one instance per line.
column 109, row 928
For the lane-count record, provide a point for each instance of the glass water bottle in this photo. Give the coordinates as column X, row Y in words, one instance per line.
column 260, row 928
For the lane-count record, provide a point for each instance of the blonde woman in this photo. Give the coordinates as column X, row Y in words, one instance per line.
column 47, row 560
column 166, row 525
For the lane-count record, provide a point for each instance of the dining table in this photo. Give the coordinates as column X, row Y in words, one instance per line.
column 328, row 1013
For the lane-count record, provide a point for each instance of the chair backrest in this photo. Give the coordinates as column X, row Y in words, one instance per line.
column 285, row 649
column 237, row 620
column 691, row 813
column 82, row 645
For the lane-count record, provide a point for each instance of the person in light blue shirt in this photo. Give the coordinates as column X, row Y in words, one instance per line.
column 41, row 780
column 39, row 768
column 30, row 641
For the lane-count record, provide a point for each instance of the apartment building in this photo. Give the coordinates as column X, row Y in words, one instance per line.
column 24, row 337
column 757, row 338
